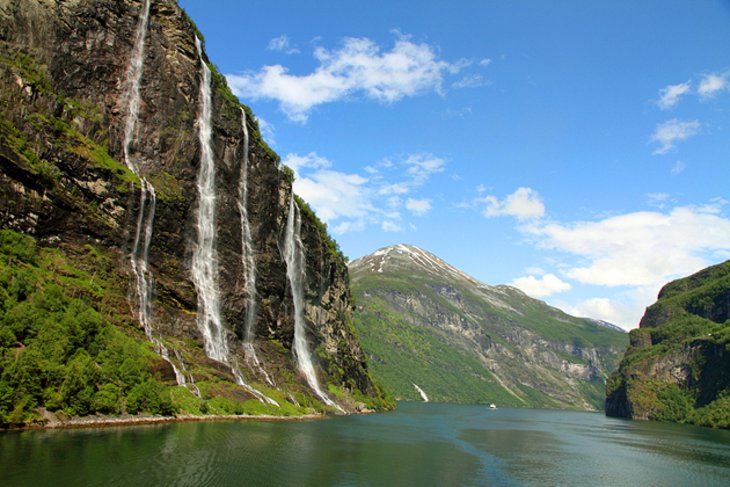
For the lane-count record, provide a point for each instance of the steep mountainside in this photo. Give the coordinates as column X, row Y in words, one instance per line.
column 153, row 256
column 678, row 365
column 423, row 322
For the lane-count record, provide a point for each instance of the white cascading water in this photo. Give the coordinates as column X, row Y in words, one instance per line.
column 295, row 272
column 205, row 258
column 247, row 256
column 423, row 394
column 190, row 383
column 139, row 256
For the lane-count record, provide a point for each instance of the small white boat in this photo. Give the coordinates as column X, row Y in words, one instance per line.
column 492, row 406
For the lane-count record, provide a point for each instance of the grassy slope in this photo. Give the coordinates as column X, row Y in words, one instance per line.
column 402, row 353
column 67, row 344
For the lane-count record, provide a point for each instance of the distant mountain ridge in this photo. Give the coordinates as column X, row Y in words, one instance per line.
column 424, row 322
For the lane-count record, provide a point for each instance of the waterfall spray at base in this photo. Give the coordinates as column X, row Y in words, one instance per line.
column 205, row 256
column 294, row 257
column 139, row 255
column 247, row 256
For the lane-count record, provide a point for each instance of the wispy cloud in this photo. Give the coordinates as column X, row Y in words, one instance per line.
column 359, row 67
column 540, row 287
column 473, row 80
column 422, row 165
column 670, row 95
column 350, row 202
column 391, row 226
column 606, row 309
column 640, row 248
column 282, row 44
column 633, row 254
column 523, row 204
column 418, row 207
column 333, row 194
column 712, row 84
column 668, row 133
column 267, row 131
column 678, row 168
column 658, row 200
column 311, row 161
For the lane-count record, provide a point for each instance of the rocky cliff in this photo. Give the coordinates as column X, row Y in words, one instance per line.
column 424, row 323
column 677, row 367
column 103, row 146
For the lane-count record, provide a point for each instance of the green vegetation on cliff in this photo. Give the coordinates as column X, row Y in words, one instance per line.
column 57, row 348
column 678, row 366
column 67, row 345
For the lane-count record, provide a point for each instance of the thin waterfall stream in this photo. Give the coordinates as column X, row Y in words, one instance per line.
column 247, row 256
column 205, row 255
column 295, row 272
column 139, row 255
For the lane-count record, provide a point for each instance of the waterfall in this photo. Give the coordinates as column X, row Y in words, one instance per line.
column 423, row 394
column 295, row 272
column 205, row 255
column 132, row 84
column 139, row 255
column 205, row 258
column 247, row 256
column 190, row 380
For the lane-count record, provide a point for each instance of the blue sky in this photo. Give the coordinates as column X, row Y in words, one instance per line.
column 577, row 150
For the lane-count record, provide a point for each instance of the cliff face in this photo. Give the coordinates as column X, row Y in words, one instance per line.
column 677, row 367
column 64, row 89
column 424, row 322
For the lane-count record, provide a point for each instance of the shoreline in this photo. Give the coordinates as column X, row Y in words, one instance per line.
column 120, row 421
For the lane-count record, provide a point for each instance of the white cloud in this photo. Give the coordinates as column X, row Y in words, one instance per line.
column 472, row 80
column 678, row 168
column 418, row 207
column 283, row 44
column 334, row 194
column 267, row 131
column 524, row 204
column 607, row 310
column 421, row 166
column 658, row 200
column 669, row 96
column 390, row 226
column 672, row 131
column 311, row 161
column 485, row 62
column 351, row 202
column 712, row 84
column 394, row 188
column 541, row 287
column 641, row 248
column 359, row 66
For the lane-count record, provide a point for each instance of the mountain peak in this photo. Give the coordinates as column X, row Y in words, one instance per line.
column 425, row 322
column 405, row 257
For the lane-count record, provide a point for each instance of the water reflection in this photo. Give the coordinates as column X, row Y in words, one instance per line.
column 418, row 445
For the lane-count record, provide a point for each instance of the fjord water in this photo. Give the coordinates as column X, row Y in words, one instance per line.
column 420, row 444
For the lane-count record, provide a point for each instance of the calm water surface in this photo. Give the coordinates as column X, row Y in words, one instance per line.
column 420, row 444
